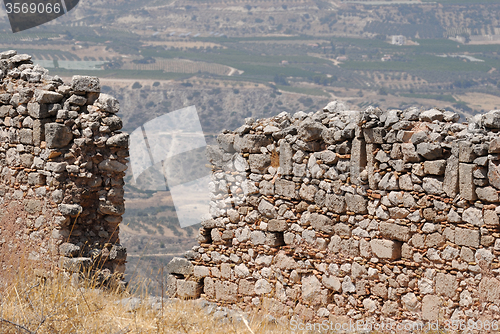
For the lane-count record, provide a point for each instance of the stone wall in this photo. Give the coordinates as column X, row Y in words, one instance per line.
column 347, row 214
column 62, row 163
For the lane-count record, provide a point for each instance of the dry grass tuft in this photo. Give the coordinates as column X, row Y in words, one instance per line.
column 31, row 304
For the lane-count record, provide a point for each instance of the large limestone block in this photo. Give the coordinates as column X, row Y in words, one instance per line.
column 57, row 135
column 188, row 289
column 181, row 266
column 466, row 181
column 386, row 249
column 356, row 203
column 226, row 291
column 431, row 305
column 446, row 285
column 321, row 223
column 394, row 231
column 494, row 174
column 489, row 289
column 450, row 182
column 251, row 143
column 466, row 237
column 85, row 84
column 285, row 188
column 286, row 163
column 259, row 163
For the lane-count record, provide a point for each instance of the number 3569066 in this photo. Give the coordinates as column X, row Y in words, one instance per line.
column 33, row 8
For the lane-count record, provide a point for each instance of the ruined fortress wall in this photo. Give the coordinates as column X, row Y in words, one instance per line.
column 62, row 163
column 345, row 215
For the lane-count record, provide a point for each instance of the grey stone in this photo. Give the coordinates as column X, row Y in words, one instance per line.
column 332, row 283
column 488, row 194
column 119, row 140
column 188, row 289
column 321, row 223
column 430, row 151
column 356, row 203
column 181, row 266
column 436, row 167
column 112, row 166
column 307, row 192
column 491, row 119
column 286, row 163
column 76, row 264
column 489, row 288
column 466, row 152
column 491, row 218
column 310, row 130
column 57, row 135
column 76, row 99
column 26, row 136
column 432, row 186
column 85, row 84
column 70, row 209
column 374, row 135
column 466, row 181
column 335, row 203
column 473, row 216
column 69, row 250
column 409, row 153
column 111, row 209
column 418, row 137
column 311, row 289
column 431, row 115
column 259, row 163
column 57, row 167
column 45, row 96
column 394, row 231
column 389, row 182
column 285, row 188
column 494, row 174
column 450, row 182
column 251, row 143
column 431, row 304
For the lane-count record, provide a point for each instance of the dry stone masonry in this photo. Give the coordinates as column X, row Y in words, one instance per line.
column 62, row 163
column 344, row 214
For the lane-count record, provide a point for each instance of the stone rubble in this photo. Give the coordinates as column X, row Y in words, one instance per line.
column 344, row 214
column 62, row 163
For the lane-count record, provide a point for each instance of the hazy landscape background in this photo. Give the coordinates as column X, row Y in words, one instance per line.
column 234, row 59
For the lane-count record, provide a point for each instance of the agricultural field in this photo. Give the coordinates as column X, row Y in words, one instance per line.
column 234, row 59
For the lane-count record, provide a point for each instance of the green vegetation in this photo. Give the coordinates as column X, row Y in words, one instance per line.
column 303, row 90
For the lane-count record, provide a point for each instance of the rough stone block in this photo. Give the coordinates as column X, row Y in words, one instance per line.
column 466, row 237
column 494, row 174
column 394, row 231
column 180, row 266
column 436, row 167
column 57, row 135
column 188, row 289
column 466, row 152
column 356, row 203
column 285, row 188
column 226, row 291
column 374, row 135
column 85, row 84
column 321, row 223
column 466, row 181
column 76, row 264
column 386, row 249
column 277, row 225
column 431, row 304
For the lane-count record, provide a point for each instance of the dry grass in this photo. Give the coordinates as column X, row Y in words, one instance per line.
column 31, row 304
